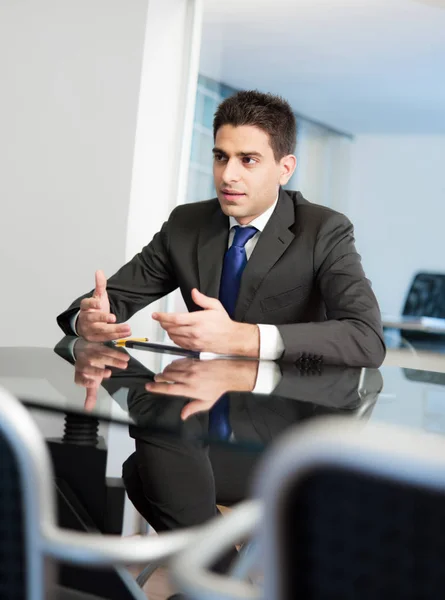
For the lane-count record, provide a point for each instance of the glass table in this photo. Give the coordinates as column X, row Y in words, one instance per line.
column 144, row 421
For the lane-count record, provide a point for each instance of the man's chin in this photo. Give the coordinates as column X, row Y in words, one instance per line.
column 232, row 209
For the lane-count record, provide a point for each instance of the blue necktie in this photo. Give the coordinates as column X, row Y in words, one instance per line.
column 235, row 261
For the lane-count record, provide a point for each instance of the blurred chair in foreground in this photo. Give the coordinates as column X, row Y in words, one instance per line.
column 31, row 544
column 342, row 511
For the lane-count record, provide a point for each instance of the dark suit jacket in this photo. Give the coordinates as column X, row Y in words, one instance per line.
column 304, row 276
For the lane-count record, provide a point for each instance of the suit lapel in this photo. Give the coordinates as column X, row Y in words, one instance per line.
column 273, row 242
column 212, row 245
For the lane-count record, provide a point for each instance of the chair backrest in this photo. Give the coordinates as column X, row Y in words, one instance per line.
column 354, row 513
column 425, row 298
column 25, row 573
column 34, row 539
column 13, row 565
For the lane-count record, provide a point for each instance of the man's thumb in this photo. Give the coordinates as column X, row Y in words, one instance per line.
column 205, row 301
column 101, row 284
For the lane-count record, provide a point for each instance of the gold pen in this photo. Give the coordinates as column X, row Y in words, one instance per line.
column 122, row 343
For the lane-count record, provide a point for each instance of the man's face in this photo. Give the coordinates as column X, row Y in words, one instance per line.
column 245, row 172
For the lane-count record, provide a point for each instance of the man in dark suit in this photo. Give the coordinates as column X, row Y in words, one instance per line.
column 263, row 272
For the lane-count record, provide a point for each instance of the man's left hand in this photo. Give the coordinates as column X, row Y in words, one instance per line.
column 211, row 329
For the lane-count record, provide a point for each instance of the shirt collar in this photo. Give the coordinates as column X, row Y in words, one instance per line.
column 260, row 222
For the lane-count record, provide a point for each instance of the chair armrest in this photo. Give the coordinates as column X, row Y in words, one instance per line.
column 105, row 550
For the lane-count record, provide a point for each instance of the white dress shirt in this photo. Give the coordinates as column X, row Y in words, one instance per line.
column 271, row 342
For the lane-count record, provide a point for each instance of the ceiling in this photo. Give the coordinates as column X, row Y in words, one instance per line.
column 360, row 66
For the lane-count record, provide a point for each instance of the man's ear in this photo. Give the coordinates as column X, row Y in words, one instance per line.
column 287, row 168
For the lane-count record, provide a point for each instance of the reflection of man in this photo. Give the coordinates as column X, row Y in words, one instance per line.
column 262, row 271
column 176, row 480
column 176, row 477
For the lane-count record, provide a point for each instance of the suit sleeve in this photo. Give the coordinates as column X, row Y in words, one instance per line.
column 352, row 333
column 144, row 279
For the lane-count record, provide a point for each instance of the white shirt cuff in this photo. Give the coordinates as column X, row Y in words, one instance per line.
column 74, row 321
column 268, row 377
column 271, row 342
column 70, row 349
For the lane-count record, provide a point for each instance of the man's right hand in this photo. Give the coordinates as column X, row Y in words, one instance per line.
column 95, row 322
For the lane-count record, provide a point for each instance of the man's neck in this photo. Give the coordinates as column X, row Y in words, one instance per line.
column 258, row 221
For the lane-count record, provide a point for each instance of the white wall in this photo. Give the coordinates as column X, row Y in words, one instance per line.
column 68, row 107
column 96, row 109
column 397, row 204
column 323, row 166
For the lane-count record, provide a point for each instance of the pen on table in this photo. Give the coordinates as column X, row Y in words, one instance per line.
column 143, row 343
column 122, row 343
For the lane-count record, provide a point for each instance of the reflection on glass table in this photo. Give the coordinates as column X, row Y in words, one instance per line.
column 177, row 467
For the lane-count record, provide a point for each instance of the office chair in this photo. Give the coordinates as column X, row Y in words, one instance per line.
column 340, row 511
column 31, row 542
column 425, row 298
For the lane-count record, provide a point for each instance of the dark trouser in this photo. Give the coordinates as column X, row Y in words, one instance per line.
column 176, row 483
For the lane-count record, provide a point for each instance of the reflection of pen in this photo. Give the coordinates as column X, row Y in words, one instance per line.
column 123, row 343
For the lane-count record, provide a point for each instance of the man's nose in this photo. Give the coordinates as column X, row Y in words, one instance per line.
column 231, row 172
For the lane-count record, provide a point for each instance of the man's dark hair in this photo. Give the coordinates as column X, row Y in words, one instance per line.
column 268, row 112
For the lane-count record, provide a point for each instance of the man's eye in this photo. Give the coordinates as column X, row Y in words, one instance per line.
column 219, row 157
column 248, row 160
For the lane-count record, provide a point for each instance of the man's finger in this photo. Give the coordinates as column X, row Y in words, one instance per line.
column 110, row 362
column 105, row 355
column 168, row 389
column 206, row 302
column 189, row 410
column 193, row 407
column 121, row 330
column 101, row 284
column 183, row 365
column 180, row 331
column 104, row 336
column 175, row 318
column 90, row 398
column 172, row 377
column 90, row 370
column 98, row 317
column 89, row 304
column 184, row 342
column 80, row 378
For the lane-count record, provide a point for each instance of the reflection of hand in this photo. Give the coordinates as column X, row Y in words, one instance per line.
column 204, row 380
column 91, row 364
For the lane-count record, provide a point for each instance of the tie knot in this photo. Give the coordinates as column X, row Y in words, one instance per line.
column 243, row 235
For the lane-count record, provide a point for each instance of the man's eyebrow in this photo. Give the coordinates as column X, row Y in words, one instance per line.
column 252, row 153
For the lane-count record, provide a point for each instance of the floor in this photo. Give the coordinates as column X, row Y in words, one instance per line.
column 159, row 586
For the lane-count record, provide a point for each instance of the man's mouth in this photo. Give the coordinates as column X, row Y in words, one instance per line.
column 231, row 194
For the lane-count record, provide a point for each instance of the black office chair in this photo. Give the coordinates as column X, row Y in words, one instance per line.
column 343, row 511
column 31, row 544
column 425, row 298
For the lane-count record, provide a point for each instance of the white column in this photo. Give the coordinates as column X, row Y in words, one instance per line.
column 160, row 163
column 164, row 127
